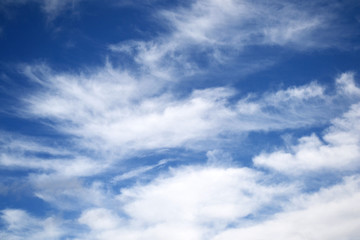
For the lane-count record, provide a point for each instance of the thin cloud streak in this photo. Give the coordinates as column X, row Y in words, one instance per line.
column 51, row 8
column 220, row 30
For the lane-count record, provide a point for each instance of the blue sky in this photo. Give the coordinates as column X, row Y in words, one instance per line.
column 204, row 119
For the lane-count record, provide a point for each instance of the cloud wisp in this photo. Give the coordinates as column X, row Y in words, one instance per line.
column 51, row 8
column 207, row 33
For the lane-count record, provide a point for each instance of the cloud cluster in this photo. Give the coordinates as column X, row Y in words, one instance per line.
column 112, row 113
column 214, row 202
column 217, row 202
column 194, row 202
column 305, row 217
column 202, row 202
column 110, row 110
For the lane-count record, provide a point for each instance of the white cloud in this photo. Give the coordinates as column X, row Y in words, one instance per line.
column 52, row 8
column 219, row 158
column 218, row 201
column 329, row 214
column 214, row 203
column 124, row 113
column 195, row 196
column 188, row 203
column 202, row 202
column 139, row 171
column 219, row 31
column 347, row 84
column 100, row 219
column 244, row 22
column 18, row 151
column 70, row 193
column 20, row 225
column 110, row 114
column 302, row 93
column 68, row 167
column 339, row 149
column 113, row 109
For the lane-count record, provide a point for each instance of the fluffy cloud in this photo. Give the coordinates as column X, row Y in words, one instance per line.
column 193, row 202
column 227, row 203
column 110, row 114
column 339, row 149
column 328, row 214
column 20, row 225
column 205, row 202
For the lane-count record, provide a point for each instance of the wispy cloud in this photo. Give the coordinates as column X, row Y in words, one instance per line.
column 310, row 217
column 71, row 193
column 139, row 171
column 338, row 149
column 216, row 201
column 218, row 31
column 22, row 152
column 123, row 113
column 51, row 8
column 21, row 225
column 194, row 202
column 110, row 115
